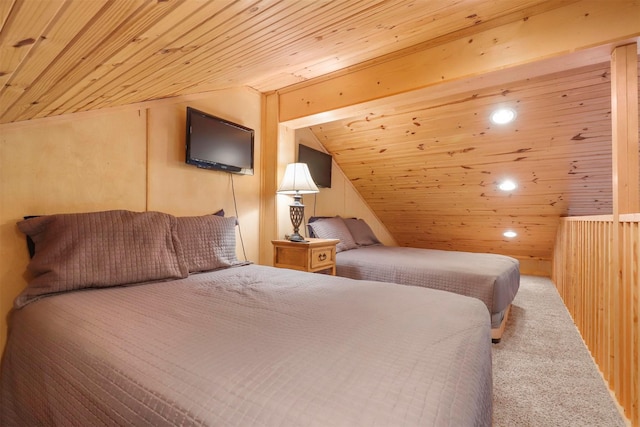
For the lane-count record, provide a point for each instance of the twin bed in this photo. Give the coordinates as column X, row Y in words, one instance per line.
column 493, row 279
column 149, row 319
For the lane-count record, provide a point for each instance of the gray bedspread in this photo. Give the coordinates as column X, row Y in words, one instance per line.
column 493, row 279
column 249, row 346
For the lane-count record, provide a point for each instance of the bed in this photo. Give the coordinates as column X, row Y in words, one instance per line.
column 492, row 278
column 144, row 321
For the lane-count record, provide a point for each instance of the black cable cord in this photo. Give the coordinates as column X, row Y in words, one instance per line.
column 235, row 205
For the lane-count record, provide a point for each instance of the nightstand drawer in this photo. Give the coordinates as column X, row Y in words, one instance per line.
column 311, row 255
column 290, row 256
column 322, row 257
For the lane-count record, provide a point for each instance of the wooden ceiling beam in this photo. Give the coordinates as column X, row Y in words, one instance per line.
column 544, row 43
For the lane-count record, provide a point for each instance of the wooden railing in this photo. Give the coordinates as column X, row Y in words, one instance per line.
column 596, row 270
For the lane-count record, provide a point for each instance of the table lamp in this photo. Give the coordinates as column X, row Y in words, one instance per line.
column 297, row 181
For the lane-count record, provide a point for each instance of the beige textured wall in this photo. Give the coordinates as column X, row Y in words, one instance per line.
column 67, row 165
column 133, row 158
column 126, row 159
column 181, row 189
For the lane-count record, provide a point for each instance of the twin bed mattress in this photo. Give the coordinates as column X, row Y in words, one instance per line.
column 491, row 278
column 249, row 345
column 144, row 318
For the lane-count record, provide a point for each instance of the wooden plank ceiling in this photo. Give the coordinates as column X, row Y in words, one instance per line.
column 65, row 56
column 429, row 171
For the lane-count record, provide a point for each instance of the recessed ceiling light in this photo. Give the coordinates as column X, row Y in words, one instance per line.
column 507, row 185
column 502, row 116
column 510, row 234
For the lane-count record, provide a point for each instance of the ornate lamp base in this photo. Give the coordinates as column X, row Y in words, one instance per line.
column 296, row 213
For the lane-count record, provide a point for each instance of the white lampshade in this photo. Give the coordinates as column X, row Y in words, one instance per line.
column 297, row 180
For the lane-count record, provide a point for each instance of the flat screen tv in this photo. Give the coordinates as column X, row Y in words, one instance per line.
column 215, row 143
column 319, row 164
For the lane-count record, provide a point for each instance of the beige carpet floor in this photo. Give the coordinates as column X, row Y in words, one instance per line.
column 543, row 374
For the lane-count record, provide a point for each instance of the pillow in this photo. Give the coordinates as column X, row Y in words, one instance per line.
column 208, row 242
column 314, row 219
column 318, row 218
column 31, row 247
column 100, row 249
column 334, row 228
column 221, row 213
column 361, row 232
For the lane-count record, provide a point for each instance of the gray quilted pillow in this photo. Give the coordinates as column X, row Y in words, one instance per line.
column 361, row 232
column 208, row 242
column 100, row 249
column 334, row 228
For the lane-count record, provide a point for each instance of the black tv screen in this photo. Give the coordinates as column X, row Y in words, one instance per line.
column 319, row 164
column 215, row 143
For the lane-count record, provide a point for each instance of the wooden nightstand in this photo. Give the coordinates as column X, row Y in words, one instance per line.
column 314, row 255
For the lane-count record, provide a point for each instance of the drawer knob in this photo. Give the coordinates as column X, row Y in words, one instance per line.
column 322, row 257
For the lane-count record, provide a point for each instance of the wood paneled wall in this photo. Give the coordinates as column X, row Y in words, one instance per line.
column 279, row 147
column 596, row 270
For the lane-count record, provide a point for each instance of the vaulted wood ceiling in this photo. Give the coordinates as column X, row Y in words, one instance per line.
column 429, row 170
column 64, row 56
